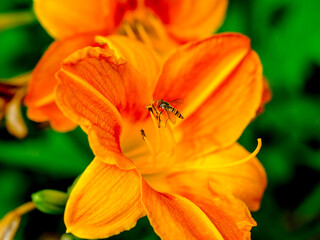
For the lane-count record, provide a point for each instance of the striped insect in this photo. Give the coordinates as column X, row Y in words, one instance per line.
column 164, row 111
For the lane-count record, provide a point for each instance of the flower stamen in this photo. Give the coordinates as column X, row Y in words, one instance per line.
column 163, row 144
column 128, row 31
column 171, row 139
column 155, row 122
column 144, row 137
column 143, row 34
column 159, row 30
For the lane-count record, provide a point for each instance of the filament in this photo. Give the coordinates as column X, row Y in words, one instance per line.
column 157, row 130
column 155, row 23
column 143, row 34
column 130, row 33
column 170, row 134
column 149, row 145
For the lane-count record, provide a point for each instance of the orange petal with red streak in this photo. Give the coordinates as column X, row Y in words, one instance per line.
column 197, row 69
column 220, row 120
column 95, row 88
column 104, row 202
column 117, row 80
column 94, row 113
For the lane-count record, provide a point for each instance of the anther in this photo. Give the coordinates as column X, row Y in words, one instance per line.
column 144, row 137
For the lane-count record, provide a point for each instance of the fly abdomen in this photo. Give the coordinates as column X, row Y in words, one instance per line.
column 176, row 112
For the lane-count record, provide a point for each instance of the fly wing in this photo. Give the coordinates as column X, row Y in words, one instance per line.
column 177, row 101
column 171, row 116
column 164, row 116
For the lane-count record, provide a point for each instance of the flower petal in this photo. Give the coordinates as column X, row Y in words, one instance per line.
column 229, row 214
column 144, row 59
column 40, row 95
column 51, row 112
column 116, row 79
column 190, row 20
column 246, row 181
column 66, row 18
column 220, row 120
column 94, row 89
column 175, row 217
column 104, row 202
column 197, row 69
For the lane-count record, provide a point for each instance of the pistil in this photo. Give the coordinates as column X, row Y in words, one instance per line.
column 241, row 161
column 226, row 165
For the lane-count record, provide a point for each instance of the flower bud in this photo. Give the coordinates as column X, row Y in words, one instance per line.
column 50, row 201
column 69, row 236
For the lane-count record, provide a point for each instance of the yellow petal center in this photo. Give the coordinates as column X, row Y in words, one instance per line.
column 142, row 25
column 153, row 149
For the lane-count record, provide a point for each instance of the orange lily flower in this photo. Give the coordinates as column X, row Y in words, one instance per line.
column 192, row 179
column 181, row 20
column 162, row 25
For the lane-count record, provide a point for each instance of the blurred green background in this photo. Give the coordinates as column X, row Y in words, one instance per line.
column 286, row 35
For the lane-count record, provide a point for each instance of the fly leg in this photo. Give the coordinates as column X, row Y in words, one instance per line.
column 159, row 119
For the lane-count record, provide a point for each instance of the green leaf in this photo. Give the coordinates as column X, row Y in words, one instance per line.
column 63, row 154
